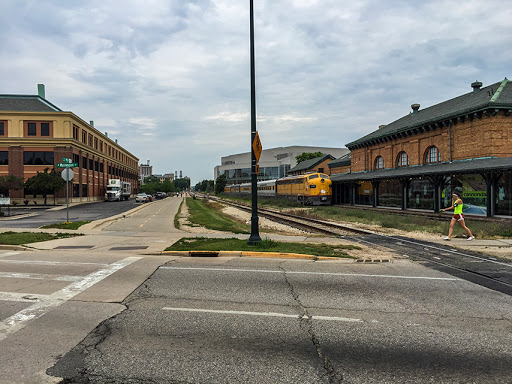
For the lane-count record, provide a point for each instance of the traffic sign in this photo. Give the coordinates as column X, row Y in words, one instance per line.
column 66, row 160
column 67, row 174
column 256, row 146
column 67, row 165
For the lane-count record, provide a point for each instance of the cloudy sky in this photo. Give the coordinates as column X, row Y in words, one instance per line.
column 170, row 79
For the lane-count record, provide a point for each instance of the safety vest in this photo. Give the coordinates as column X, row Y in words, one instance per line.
column 458, row 207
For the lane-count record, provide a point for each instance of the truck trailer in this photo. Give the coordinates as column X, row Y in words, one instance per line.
column 118, row 190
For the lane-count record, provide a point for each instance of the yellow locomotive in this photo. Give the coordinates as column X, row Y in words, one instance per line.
column 311, row 188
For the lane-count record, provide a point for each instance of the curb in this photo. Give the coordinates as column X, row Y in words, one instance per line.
column 4, row 247
column 278, row 255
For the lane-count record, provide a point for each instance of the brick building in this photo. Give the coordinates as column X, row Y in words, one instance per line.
column 318, row 164
column 35, row 134
column 416, row 161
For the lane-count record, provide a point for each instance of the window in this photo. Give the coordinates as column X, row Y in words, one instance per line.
column 432, row 155
column 379, row 162
column 75, row 132
column 91, row 164
column 37, row 158
column 45, row 129
column 76, row 158
column 402, row 160
column 90, row 140
column 38, row 128
column 4, row 158
column 84, row 162
column 31, row 129
column 3, row 129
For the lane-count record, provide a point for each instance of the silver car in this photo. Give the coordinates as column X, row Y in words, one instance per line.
column 141, row 198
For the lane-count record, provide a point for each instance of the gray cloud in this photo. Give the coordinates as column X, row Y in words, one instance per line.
column 170, row 79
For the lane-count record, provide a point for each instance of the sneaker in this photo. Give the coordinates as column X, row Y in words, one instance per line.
column 470, row 238
column 446, row 238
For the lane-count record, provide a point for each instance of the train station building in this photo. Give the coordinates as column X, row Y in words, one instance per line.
column 416, row 162
column 35, row 135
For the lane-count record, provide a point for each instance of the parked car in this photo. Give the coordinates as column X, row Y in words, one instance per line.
column 141, row 198
column 150, row 197
column 160, row 195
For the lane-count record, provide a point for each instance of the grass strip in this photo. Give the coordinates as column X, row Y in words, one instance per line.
column 19, row 238
column 208, row 215
column 177, row 217
column 67, row 225
column 266, row 245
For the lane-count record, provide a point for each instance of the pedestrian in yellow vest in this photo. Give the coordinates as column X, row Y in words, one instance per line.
column 458, row 217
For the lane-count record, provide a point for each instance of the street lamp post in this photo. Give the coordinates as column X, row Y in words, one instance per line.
column 255, row 236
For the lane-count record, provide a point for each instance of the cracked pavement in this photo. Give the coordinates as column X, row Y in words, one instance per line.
column 233, row 320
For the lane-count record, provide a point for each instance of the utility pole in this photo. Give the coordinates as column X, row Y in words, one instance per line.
column 255, row 236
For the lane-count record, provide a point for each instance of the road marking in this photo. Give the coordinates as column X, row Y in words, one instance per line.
column 266, row 314
column 39, row 262
column 38, row 276
column 19, row 320
column 7, row 254
column 314, row 273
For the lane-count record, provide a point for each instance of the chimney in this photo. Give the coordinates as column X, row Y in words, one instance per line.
column 116, row 141
column 91, row 123
column 181, row 175
column 148, row 162
column 382, row 126
column 415, row 108
column 106, row 134
column 476, row 86
column 175, row 174
column 40, row 91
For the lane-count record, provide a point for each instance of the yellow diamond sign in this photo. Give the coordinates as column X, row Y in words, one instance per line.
column 256, row 146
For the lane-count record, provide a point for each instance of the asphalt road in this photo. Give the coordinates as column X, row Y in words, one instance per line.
column 48, row 215
column 232, row 320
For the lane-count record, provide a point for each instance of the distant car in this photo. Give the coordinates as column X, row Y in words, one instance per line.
column 141, row 198
column 150, row 197
column 161, row 195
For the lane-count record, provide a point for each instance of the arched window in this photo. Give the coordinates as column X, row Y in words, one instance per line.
column 379, row 162
column 432, row 155
column 402, row 159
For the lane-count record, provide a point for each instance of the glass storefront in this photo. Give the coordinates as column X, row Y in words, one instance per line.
column 390, row 193
column 420, row 194
column 504, row 195
column 474, row 193
column 364, row 193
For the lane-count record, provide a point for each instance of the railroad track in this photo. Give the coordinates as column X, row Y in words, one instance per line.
column 468, row 265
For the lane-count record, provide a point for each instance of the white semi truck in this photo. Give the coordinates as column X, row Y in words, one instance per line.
column 118, row 190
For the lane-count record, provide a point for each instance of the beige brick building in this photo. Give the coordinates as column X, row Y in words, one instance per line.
column 35, row 135
column 416, row 161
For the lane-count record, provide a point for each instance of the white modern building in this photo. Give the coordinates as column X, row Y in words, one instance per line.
column 145, row 170
column 274, row 162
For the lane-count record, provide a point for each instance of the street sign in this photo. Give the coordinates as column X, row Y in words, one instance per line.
column 67, row 174
column 256, row 146
column 66, row 160
column 67, row 165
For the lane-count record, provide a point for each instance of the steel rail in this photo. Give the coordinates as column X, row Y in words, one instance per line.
column 468, row 265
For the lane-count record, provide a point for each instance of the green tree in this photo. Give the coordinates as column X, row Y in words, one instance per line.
column 45, row 183
column 10, row 182
column 220, row 184
column 307, row 156
column 151, row 179
column 167, row 186
column 181, row 184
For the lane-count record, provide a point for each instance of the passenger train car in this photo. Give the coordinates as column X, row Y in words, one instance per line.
column 311, row 188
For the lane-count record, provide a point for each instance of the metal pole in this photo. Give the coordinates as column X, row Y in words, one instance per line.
column 255, row 236
column 67, row 201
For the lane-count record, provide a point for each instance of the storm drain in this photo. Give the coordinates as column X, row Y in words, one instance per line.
column 74, row 247
column 373, row 260
column 134, row 248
